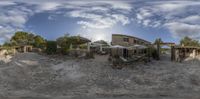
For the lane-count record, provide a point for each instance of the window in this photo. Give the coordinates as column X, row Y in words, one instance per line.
column 135, row 51
column 126, row 40
column 135, row 41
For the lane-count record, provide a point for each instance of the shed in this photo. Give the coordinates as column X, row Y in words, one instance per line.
column 180, row 53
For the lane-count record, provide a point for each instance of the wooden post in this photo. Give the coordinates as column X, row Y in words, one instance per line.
column 172, row 53
column 158, row 50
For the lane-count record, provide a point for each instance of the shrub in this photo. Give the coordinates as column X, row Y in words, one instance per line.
column 155, row 54
column 65, row 50
column 51, row 47
column 89, row 55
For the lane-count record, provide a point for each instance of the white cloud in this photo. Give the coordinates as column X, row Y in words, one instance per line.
column 49, row 6
column 124, row 5
column 5, row 33
column 182, row 30
column 180, row 17
column 171, row 6
column 146, row 22
column 194, row 19
column 121, row 18
column 17, row 21
column 106, row 14
column 92, row 14
column 99, row 15
column 6, row 3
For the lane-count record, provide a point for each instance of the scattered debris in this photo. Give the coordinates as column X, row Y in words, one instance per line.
column 30, row 75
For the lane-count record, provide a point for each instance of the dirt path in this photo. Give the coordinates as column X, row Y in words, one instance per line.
column 32, row 76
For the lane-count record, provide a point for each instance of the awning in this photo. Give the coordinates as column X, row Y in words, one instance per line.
column 138, row 46
column 118, row 46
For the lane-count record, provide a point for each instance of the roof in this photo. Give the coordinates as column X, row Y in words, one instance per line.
column 193, row 47
column 138, row 46
column 168, row 43
column 118, row 46
column 131, row 37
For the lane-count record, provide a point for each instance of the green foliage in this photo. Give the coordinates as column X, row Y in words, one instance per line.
column 104, row 43
column 63, row 41
column 25, row 38
column 39, row 42
column 51, row 47
column 156, row 52
column 187, row 41
column 66, row 41
column 22, row 38
column 89, row 55
column 7, row 44
column 158, row 40
column 83, row 46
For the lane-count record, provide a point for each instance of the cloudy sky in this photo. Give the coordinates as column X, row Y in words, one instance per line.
column 98, row 19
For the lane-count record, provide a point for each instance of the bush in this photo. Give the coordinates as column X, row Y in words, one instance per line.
column 51, row 47
column 89, row 55
column 65, row 51
column 155, row 54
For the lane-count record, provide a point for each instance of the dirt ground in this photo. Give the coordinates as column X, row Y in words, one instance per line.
column 33, row 76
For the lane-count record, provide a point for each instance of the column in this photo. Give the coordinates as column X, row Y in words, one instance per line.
column 88, row 47
column 101, row 48
column 194, row 53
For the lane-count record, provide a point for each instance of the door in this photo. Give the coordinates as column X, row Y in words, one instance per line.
column 125, row 53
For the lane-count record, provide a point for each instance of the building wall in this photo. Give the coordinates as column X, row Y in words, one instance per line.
column 180, row 54
column 125, row 40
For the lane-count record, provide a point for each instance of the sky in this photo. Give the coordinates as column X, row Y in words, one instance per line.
column 169, row 20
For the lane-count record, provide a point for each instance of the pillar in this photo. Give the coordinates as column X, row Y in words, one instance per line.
column 88, row 47
column 176, row 55
column 101, row 48
column 31, row 49
column 24, row 49
column 194, row 53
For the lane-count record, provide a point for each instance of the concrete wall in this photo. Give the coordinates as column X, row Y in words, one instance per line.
column 119, row 40
column 180, row 54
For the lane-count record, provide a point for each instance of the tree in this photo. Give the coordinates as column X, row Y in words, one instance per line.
column 22, row 38
column 51, row 47
column 39, row 42
column 157, row 51
column 7, row 44
column 187, row 41
column 102, row 42
column 25, row 38
column 62, row 41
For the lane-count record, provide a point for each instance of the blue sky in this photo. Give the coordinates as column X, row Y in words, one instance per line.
column 97, row 19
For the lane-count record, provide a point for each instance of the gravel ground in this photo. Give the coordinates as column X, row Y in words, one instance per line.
column 33, row 76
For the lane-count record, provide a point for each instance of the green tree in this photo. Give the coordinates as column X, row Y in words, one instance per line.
column 39, row 42
column 51, row 47
column 7, row 44
column 187, row 41
column 102, row 42
column 63, row 41
column 25, row 38
column 22, row 38
column 157, row 51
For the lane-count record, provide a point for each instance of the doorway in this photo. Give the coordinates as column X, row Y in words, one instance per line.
column 125, row 53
